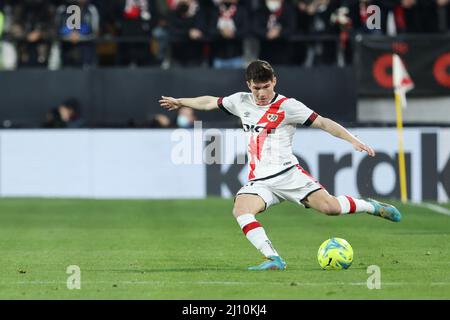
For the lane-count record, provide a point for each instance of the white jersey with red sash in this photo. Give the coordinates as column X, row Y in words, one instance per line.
column 269, row 131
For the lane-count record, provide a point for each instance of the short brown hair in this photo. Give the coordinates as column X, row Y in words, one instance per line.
column 259, row 71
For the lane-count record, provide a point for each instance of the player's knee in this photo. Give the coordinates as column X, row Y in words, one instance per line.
column 239, row 210
column 240, row 207
column 245, row 204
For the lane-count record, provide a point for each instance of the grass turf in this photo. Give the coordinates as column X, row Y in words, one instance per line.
column 194, row 249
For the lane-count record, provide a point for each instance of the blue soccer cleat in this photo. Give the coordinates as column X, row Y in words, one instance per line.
column 272, row 263
column 385, row 210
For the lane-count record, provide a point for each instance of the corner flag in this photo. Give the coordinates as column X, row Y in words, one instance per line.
column 402, row 84
column 402, row 80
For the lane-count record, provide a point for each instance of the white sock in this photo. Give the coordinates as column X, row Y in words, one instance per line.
column 256, row 235
column 352, row 205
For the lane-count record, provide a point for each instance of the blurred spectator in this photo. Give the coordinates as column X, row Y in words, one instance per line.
column 105, row 11
column 185, row 118
column 353, row 17
column 356, row 12
column 419, row 16
column 2, row 19
column 53, row 119
column 274, row 24
column 32, row 28
column 161, row 33
column 302, row 26
column 8, row 53
column 340, row 18
column 228, row 29
column 160, row 121
column 318, row 13
column 78, row 46
column 443, row 15
column 187, row 28
column 66, row 115
column 137, row 19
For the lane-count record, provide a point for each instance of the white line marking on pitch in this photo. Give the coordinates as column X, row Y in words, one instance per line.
column 435, row 208
column 238, row 283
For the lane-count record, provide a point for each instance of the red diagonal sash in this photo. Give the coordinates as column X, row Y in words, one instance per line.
column 272, row 118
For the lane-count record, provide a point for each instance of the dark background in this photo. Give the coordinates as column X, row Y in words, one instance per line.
column 129, row 97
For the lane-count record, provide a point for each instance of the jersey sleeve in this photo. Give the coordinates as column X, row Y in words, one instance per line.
column 298, row 113
column 230, row 104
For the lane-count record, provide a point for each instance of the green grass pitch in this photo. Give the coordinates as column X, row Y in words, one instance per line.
column 194, row 249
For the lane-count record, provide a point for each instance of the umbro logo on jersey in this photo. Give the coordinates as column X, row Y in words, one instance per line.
column 246, row 114
column 272, row 117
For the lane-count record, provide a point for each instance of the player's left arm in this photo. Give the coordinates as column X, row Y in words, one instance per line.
column 339, row 131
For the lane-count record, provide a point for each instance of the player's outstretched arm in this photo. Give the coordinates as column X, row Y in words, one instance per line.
column 339, row 131
column 198, row 103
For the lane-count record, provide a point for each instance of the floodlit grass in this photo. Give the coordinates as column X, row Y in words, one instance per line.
column 194, row 249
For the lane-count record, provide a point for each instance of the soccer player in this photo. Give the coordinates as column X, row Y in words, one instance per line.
column 269, row 120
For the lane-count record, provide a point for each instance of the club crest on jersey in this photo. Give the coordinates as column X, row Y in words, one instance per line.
column 272, row 117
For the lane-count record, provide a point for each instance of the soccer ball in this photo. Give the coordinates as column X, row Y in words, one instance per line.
column 335, row 254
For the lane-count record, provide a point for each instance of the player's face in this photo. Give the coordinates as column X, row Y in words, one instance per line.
column 263, row 92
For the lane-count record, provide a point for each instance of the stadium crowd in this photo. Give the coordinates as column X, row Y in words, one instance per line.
column 217, row 33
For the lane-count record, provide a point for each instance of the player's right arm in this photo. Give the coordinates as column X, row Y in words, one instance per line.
column 199, row 103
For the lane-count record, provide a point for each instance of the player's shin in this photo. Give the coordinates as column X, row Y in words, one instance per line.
column 352, row 205
column 255, row 234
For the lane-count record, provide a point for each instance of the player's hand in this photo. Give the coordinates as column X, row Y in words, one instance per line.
column 359, row 146
column 169, row 103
